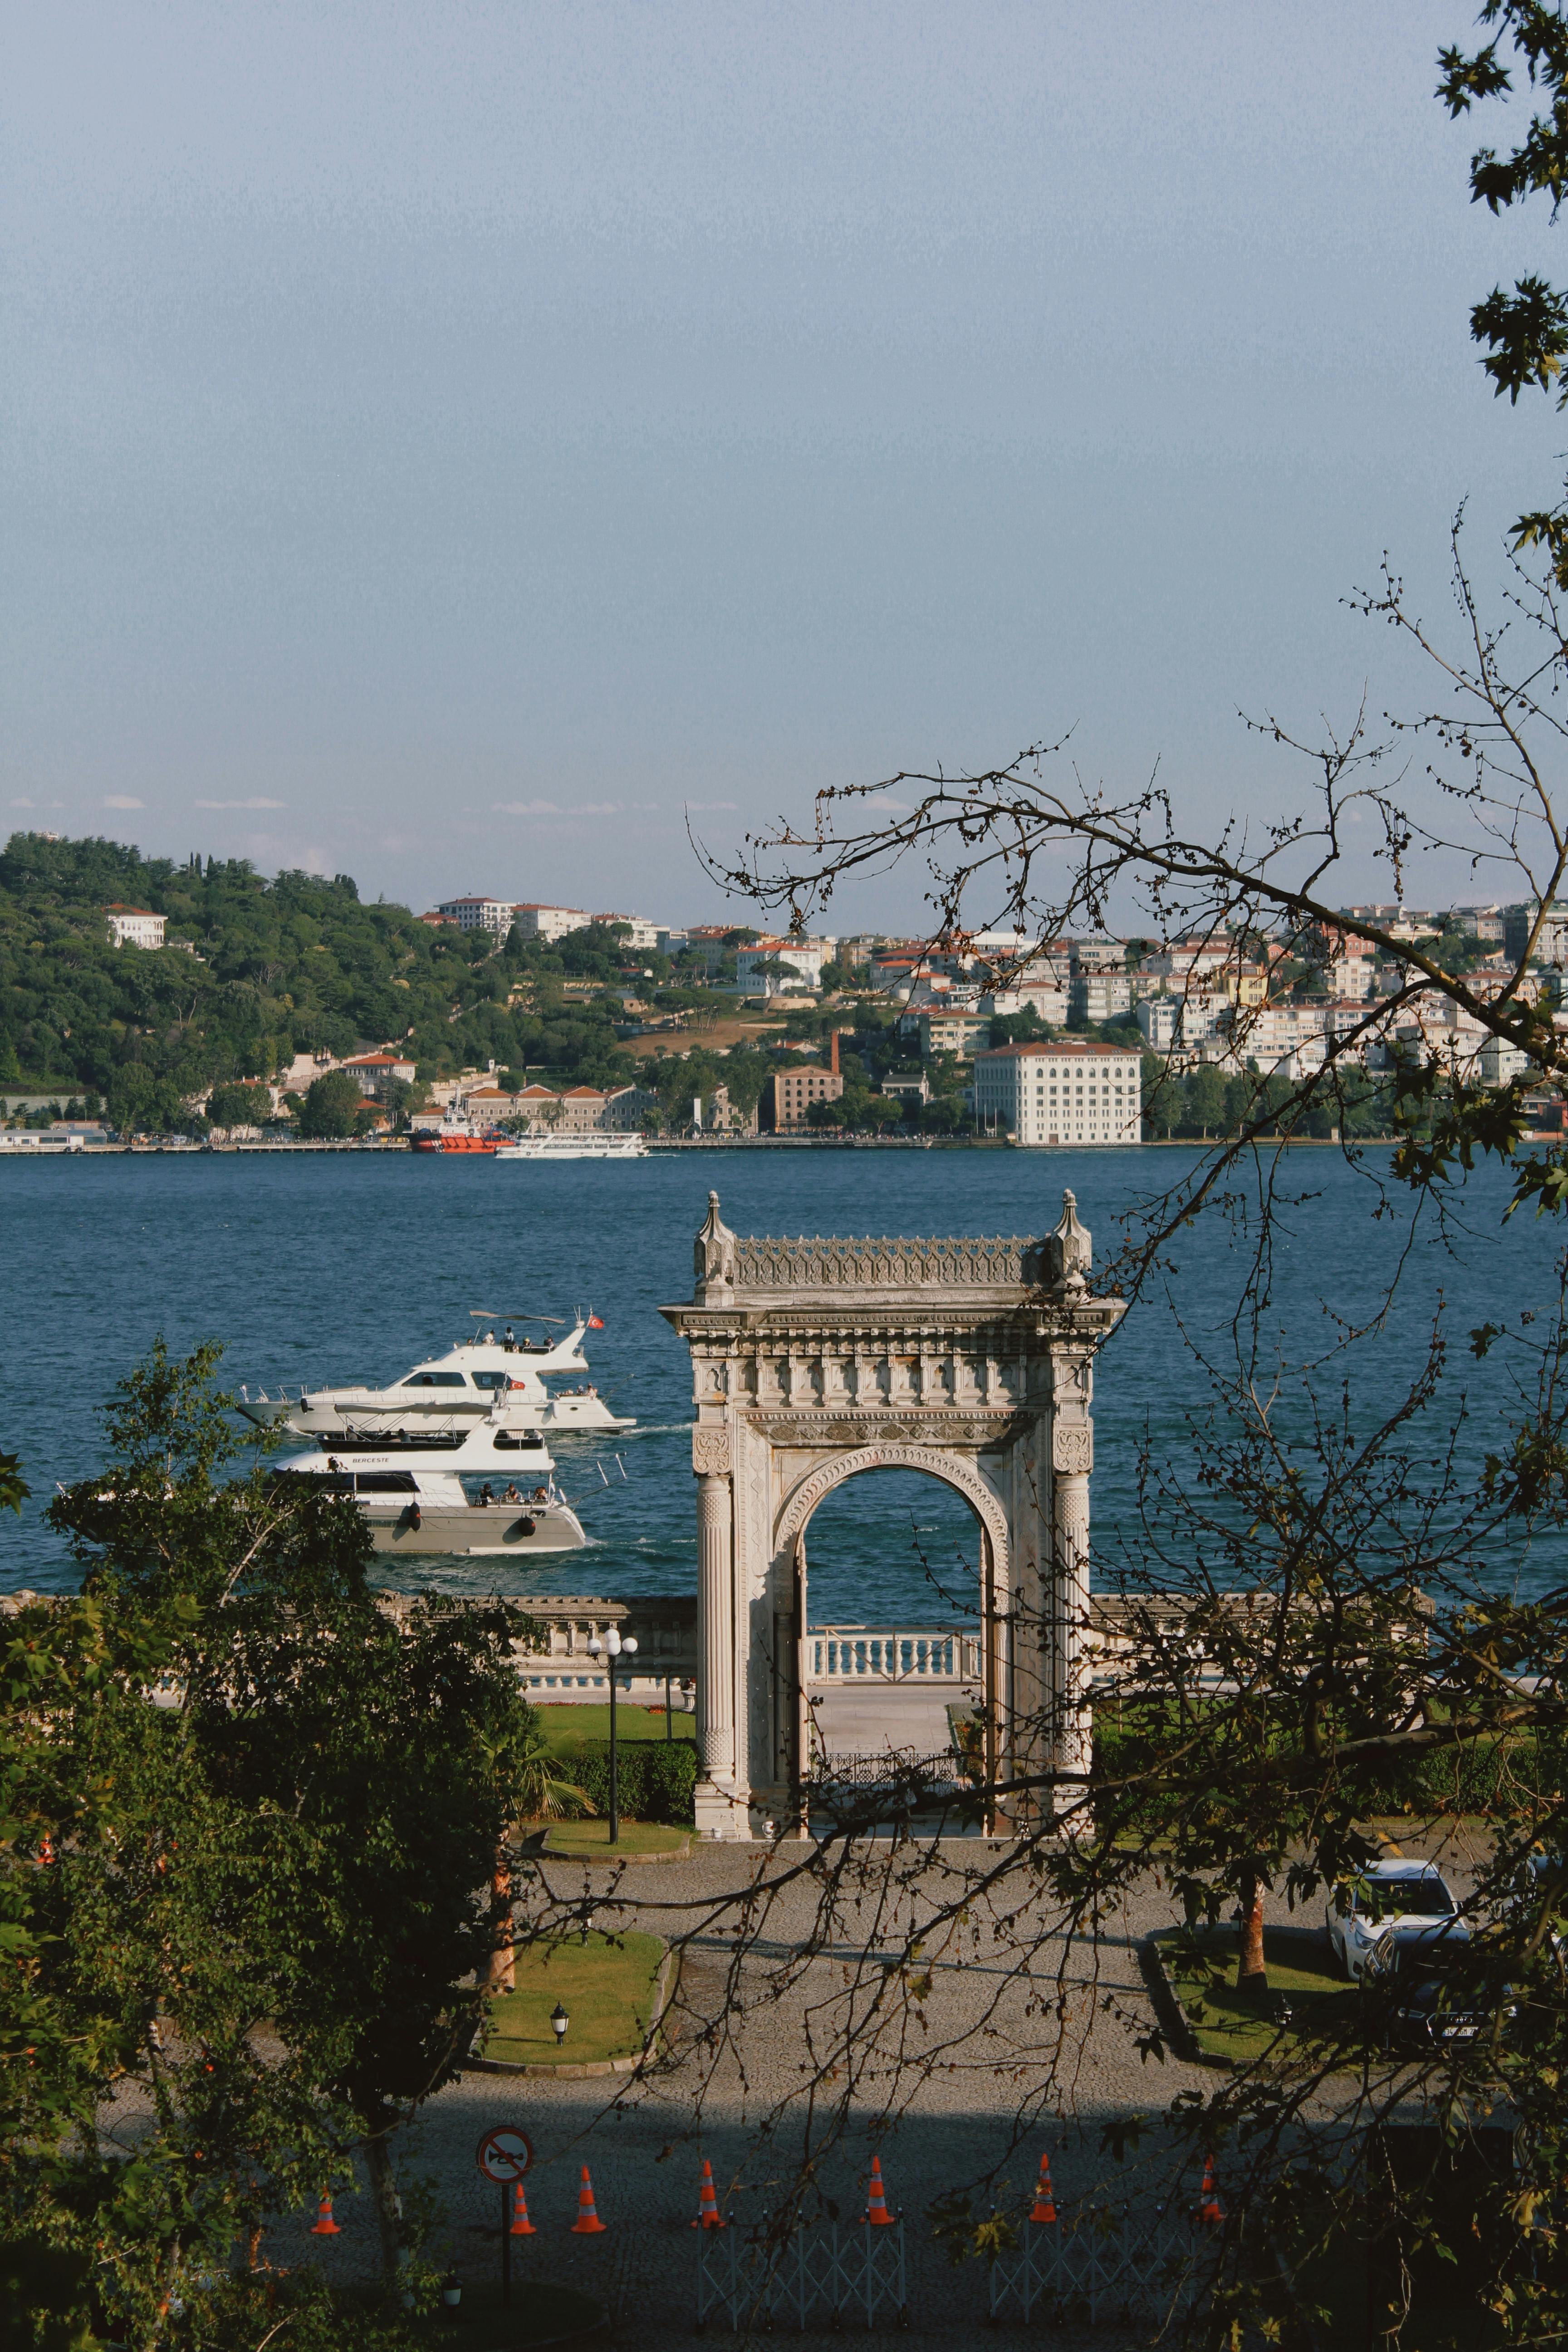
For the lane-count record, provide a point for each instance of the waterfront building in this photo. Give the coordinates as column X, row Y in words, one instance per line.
column 480, row 914
column 133, row 926
column 789, row 1095
column 1063, row 1091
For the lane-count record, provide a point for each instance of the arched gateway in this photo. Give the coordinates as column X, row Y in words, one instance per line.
column 812, row 1360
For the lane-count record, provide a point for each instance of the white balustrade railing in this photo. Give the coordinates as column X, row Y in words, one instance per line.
column 893, row 1653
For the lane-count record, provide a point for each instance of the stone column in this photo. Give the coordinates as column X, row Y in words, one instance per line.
column 1072, row 1457
column 715, row 1794
column 716, row 1689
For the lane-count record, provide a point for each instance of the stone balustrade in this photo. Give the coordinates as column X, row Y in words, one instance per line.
column 868, row 1656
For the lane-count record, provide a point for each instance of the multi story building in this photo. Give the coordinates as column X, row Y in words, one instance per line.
column 1551, row 942
column 639, row 934
column 789, row 1095
column 779, row 967
column 1175, row 1025
column 478, row 914
column 1098, row 995
column 1066, row 1091
column 536, row 922
column 374, row 1070
column 133, row 926
column 959, row 1031
column 580, row 1110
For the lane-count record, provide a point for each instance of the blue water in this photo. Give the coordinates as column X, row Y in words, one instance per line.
column 334, row 1268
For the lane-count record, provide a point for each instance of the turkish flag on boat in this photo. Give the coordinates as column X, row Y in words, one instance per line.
column 595, row 1322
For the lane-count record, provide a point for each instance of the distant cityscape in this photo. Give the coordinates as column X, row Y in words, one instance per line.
column 1041, row 1041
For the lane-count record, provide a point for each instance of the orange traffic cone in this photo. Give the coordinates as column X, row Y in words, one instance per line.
column 587, row 2224
column 1211, row 2213
column 521, row 2227
column 708, row 2214
column 877, row 2212
column 323, row 2226
column 1044, row 2203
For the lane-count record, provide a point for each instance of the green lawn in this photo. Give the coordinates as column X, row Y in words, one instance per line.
column 1301, row 1970
column 566, row 1727
column 605, row 1983
column 590, row 1839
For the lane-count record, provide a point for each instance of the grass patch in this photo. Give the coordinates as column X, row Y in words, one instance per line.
column 540, row 2312
column 1301, row 1970
column 569, row 1729
column 590, row 1839
column 606, row 1985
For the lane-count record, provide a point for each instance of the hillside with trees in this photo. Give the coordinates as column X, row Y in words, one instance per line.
column 256, row 971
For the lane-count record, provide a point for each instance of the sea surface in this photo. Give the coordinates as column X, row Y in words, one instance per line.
column 336, row 1267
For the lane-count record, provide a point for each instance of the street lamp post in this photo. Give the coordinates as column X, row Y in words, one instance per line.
column 612, row 1648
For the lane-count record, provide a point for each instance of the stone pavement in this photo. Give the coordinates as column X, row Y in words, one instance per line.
column 852, row 1722
column 991, row 2024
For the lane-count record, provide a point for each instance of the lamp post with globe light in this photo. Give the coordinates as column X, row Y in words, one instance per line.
column 613, row 1647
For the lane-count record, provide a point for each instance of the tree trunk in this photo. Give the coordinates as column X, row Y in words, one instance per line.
column 1251, row 1973
column 384, row 2197
column 501, row 1975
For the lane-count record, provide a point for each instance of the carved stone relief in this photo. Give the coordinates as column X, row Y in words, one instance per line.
column 711, row 1452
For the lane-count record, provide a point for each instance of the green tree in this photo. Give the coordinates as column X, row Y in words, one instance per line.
column 239, row 1106
column 332, row 1107
column 249, row 1823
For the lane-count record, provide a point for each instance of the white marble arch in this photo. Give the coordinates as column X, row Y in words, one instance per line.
column 950, row 1467
column 815, row 1360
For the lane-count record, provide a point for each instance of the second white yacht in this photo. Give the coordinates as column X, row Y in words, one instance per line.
column 452, row 1391
column 482, row 1492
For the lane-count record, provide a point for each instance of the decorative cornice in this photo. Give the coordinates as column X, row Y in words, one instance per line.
column 912, row 1426
column 824, row 1262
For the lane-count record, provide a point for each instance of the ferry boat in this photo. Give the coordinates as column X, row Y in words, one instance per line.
column 588, row 1146
column 481, row 1493
column 452, row 1391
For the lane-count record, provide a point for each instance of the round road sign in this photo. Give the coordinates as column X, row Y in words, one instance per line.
column 504, row 2154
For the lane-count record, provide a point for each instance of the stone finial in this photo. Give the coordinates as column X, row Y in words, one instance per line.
column 714, row 1260
column 1071, row 1247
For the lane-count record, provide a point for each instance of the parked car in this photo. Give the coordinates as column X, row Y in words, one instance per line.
column 1433, row 1997
column 1363, row 1909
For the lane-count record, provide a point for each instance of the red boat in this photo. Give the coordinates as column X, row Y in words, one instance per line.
column 454, row 1139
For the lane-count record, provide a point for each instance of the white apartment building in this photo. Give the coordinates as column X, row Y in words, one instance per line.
column 133, row 926
column 639, row 934
column 478, row 914
column 1065, row 1092
column 535, row 922
column 950, row 1031
column 1179, row 1023
column 776, row 967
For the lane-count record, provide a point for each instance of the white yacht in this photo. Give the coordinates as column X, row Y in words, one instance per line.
column 453, row 1391
column 588, row 1146
column 486, row 1491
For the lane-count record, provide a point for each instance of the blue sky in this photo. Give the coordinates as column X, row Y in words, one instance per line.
column 444, row 442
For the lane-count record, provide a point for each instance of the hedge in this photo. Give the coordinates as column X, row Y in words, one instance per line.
column 656, row 1776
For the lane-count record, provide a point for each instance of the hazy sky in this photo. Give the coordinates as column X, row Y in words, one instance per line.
column 443, row 441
